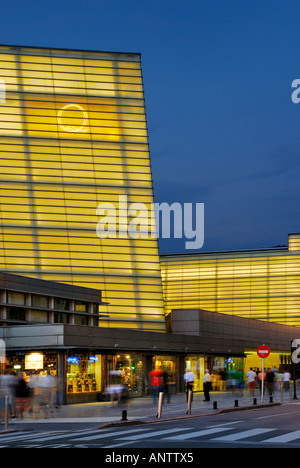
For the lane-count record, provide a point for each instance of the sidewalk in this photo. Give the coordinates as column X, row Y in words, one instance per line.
column 142, row 410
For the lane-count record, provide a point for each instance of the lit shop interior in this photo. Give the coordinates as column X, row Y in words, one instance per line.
column 88, row 376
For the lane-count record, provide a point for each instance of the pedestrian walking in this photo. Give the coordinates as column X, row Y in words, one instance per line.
column 22, row 395
column 279, row 381
column 251, row 376
column 223, row 378
column 286, row 380
column 270, row 381
column 189, row 378
column 207, row 385
column 47, row 393
column 261, row 378
column 156, row 380
column 9, row 387
column 166, row 389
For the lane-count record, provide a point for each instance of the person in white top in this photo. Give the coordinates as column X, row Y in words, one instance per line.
column 251, row 375
column 207, row 385
column 286, row 380
column 189, row 378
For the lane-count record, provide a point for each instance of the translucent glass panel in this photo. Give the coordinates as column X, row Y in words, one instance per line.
column 263, row 285
column 294, row 242
column 74, row 135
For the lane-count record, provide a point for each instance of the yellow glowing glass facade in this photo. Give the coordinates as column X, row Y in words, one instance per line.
column 73, row 134
column 259, row 284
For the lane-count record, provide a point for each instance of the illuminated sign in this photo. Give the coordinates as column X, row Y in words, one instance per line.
column 73, row 360
column 72, row 128
column 34, row 361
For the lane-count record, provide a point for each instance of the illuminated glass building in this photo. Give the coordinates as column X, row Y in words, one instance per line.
column 259, row 284
column 74, row 135
column 73, row 138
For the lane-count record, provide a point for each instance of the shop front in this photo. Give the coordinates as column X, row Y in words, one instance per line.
column 87, row 377
column 125, row 370
column 196, row 364
column 83, row 376
column 78, row 376
column 87, row 361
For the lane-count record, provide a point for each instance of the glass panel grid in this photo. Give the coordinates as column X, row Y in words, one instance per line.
column 74, row 134
column 264, row 285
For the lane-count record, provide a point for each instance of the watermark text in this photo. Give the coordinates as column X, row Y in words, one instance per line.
column 162, row 220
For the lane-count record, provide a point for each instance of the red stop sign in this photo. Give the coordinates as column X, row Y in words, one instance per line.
column 263, row 351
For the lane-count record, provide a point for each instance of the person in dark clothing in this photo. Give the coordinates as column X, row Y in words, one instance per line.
column 166, row 385
column 270, row 381
column 21, row 395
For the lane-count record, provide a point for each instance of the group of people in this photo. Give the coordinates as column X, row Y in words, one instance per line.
column 35, row 394
column 272, row 379
column 235, row 380
column 189, row 378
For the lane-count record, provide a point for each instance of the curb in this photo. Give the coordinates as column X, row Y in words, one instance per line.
column 225, row 410
column 242, row 408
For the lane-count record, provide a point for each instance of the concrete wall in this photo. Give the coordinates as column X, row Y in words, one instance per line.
column 219, row 327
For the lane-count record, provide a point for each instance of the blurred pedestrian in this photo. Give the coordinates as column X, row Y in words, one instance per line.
column 223, row 377
column 10, row 382
column 207, row 385
column 279, row 381
column 166, row 390
column 47, row 392
column 261, row 378
column 116, row 387
column 251, row 376
column 270, row 381
column 189, row 378
column 286, row 380
column 240, row 383
column 34, row 395
column 21, row 395
column 2, row 397
column 156, row 382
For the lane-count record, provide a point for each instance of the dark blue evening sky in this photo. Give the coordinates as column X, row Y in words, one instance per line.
column 223, row 129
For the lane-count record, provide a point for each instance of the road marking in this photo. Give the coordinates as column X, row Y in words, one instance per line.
column 274, row 415
column 120, row 445
column 60, row 436
column 225, row 424
column 108, row 434
column 285, row 437
column 153, row 434
column 199, row 433
column 243, row 434
column 12, row 437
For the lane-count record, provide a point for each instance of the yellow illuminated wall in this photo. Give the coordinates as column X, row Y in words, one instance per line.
column 259, row 284
column 73, row 134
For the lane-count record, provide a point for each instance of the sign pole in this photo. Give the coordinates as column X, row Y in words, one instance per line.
column 262, row 379
column 263, row 351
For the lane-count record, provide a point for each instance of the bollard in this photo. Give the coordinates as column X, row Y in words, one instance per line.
column 254, row 401
column 6, row 412
column 160, row 400
column 271, row 399
column 189, row 402
column 215, row 405
column 124, row 415
column 236, row 403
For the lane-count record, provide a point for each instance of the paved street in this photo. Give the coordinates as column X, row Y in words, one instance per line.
column 275, row 427
column 144, row 409
column 227, row 420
